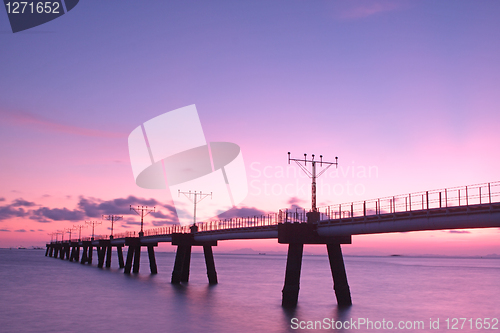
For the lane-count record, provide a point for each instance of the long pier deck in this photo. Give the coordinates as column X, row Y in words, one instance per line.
column 475, row 206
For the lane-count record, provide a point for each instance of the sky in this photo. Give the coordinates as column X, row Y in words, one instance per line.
column 406, row 89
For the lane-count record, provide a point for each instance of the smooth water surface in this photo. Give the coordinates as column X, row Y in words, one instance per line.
column 43, row 294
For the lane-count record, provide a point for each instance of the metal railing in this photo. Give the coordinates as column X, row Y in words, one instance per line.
column 417, row 201
column 485, row 193
column 460, row 196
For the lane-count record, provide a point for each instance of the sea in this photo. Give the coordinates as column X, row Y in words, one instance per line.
column 393, row 293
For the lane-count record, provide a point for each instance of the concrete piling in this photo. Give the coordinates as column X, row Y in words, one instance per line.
column 290, row 292
column 152, row 260
column 209, row 261
column 340, row 285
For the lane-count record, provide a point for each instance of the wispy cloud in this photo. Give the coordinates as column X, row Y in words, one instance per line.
column 95, row 207
column 362, row 9
column 87, row 208
column 21, row 118
column 57, row 214
column 9, row 211
column 22, row 203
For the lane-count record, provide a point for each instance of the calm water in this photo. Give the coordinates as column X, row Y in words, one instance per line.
column 42, row 294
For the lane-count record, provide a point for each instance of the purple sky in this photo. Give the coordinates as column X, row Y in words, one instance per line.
column 406, row 87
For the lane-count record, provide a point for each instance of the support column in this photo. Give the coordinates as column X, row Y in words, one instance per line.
column 72, row 254
column 84, row 255
column 292, row 275
column 120, row 256
column 51, row 251
column 47, row 251
column 137, row 258
column 67, row 250
column 209, row 261
column 101, row 251
column 340, row 284
column 108, row 256
column 186, row 263
column 179, row 260
column 91, row 252
column 130, row 256
column 61, row 252
column 56, row 251
column 152, row 260
column 77, row 253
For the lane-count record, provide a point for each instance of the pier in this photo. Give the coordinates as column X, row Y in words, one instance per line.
column 467, row 207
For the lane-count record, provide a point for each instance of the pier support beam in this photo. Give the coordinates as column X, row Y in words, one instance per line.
column 91, row 252
column 62, row 252
column 340, row 285
column 134, row 255
column 209, row 261
column 186, row 263
column 86, row 253
column 101, row 251
column 152, row 260
column 137, row 258
column 119, row 252
column 292, row 275
column 47, row 251
column 179, row 262
column 109, row 249
column 104, row 252
column 75, row 252
column 184, row 243
column 298, row 234
column 130, row 256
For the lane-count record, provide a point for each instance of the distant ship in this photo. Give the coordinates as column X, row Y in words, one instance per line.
column 262, row 253
column 21, row 248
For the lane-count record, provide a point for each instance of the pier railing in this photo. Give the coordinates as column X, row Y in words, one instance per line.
column 443, row 198
column 485, row 193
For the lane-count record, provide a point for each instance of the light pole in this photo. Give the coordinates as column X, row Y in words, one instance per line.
column 144, row 210
column 196, row 195
column 79, row 227
column 93, row 223
column 312, row 174
column 112, row 218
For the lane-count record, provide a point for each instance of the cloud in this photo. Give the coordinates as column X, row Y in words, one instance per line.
column 57, row 214
column 21, row 202
column 7, row 212
column 459, row 232
column 361, row 9
column 5, row 230
column 31, row 120
column 2, row 199
column 96, row 207
column 20, row 230
column 242, row 212
column 87, row 208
